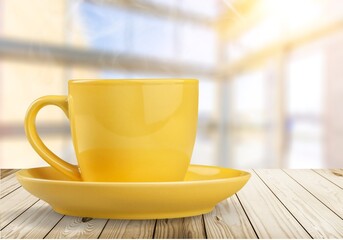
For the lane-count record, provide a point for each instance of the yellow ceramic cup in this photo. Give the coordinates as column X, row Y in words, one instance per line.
column 124, row 130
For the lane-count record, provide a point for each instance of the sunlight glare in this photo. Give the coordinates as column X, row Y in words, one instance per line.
column 294, row 14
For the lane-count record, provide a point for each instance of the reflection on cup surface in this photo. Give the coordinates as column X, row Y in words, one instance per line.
column 130, row 130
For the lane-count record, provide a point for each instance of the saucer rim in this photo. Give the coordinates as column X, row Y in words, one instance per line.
column 133, row 81
column 244, row 175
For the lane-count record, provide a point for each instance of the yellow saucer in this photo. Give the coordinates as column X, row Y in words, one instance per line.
column 203, row 188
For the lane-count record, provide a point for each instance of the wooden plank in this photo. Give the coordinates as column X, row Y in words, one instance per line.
column 142, row 229
column 36, row 222
column 228, row 220
column 190, row 227
column 315, row 217
column 14, row 204
column 328, row 193
column 267, row 214
column 337, row 172
column 8, row 184
column 333, row 175
column 7, row 172
column 77, row 227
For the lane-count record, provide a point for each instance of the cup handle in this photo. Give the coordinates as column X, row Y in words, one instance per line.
column 62, row 166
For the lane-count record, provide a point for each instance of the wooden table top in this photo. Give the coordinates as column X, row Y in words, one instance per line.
column 275, row 203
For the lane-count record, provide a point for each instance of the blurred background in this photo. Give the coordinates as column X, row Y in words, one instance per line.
column 270, row 72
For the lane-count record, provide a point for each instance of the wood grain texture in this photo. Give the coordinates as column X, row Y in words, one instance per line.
column 142, row 229
column 268, row 216
column 333, row 175
column 228, row 220
column 36, row 222
column 337, row 172
column 14, row 204
column 7, row 172
column 274, row 204
column 315, row 217
column 8, row 184
column 328, row 193
column 74, row 227
column 190, row 227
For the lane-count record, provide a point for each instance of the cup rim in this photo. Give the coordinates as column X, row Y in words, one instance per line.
column 102, row 81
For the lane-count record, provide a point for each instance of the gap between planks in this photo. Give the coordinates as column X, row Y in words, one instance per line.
column 8, row 185
column 321, row 188
column 228, row 220
column 268, row 215
column 59, row 226
column 189, row 227
column 14, row 204
column 7, row 172
column 134, row 226
column 314, row 216
column 333, row 175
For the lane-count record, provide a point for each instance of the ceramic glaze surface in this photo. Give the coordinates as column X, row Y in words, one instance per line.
column 126, row 130
column 202, row 189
